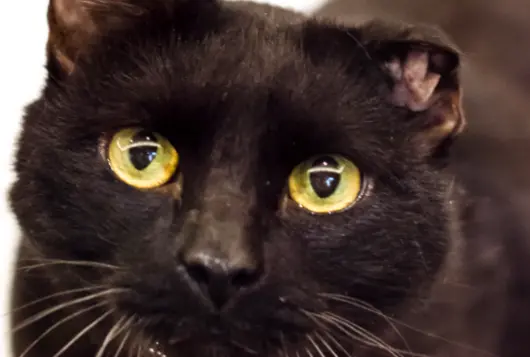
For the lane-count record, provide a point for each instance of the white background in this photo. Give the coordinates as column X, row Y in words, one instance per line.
column 23, row 33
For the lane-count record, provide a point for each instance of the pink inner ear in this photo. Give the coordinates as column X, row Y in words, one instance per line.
column 414, row 86
column 70, row 12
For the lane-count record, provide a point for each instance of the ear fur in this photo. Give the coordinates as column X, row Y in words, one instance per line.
column 76, row 25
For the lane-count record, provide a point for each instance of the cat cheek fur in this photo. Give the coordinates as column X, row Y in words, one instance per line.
column 244, row 97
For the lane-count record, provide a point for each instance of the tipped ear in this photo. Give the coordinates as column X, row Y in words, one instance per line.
column 423, row 71
column 76, row 25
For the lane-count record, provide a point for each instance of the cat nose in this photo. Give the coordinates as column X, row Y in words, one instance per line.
column 219, row 279
column 221, row 263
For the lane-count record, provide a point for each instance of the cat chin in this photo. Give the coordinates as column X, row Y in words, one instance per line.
column 215, row 348
column 209, row 349
column 256, row 326
column 215, row 340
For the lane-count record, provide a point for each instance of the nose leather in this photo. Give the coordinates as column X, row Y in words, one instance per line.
column 220, row 260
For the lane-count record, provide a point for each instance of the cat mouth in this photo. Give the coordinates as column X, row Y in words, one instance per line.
column 156, row 350
column 223, row 335
column 213, row 342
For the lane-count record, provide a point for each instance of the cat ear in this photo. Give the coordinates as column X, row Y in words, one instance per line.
column 76, row 25
column 423, row 71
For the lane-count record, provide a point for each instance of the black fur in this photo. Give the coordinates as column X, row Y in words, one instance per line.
column 245, row 93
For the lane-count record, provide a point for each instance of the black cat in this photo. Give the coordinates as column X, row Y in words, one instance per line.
column 230, row 179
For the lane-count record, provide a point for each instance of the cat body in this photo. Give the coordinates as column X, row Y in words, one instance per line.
column 214, row 179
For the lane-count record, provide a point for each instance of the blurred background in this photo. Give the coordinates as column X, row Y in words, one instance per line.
column 493, row 34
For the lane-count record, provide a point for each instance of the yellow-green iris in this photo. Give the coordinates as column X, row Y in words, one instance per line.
column 141, row 158
column 325, row 184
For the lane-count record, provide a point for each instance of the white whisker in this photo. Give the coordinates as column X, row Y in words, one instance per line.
column 337, row 343
column 50, row 311
column 369, row 338
column 82, row 333
column 48, row 262
column 111, row 334
column 59, row 323
column 316, row 346
column 124, row 339
column 51, row 296
column 367, row 307
column 326, row 344
column 324, row 328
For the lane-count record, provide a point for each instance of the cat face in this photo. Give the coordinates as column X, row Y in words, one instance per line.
column 238, row 185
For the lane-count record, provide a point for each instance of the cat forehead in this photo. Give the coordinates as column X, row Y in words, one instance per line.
column 246, row 56
column 244, row 44
column 248, row 60
column 248, row 77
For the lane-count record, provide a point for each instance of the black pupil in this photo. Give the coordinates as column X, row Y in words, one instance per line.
column 324, row 182
column 143, row 155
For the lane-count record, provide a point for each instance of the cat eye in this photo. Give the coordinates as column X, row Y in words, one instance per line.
column 142, row 158
column 325, row 184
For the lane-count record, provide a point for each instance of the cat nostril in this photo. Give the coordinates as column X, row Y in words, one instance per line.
column 245, row 277
column 199, row 273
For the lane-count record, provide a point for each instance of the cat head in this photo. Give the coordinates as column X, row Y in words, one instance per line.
column 235, row 177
